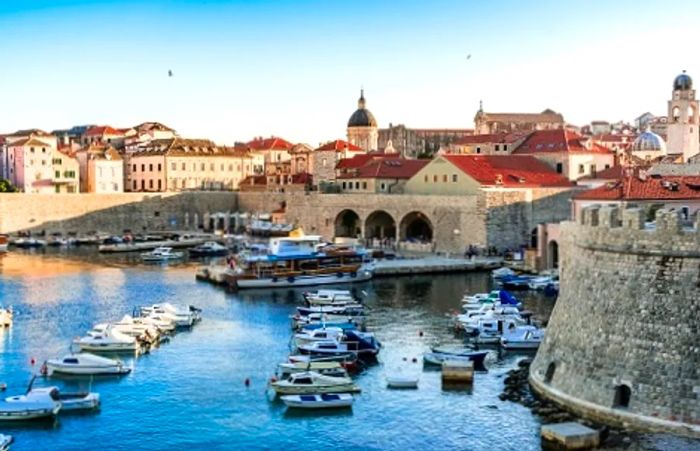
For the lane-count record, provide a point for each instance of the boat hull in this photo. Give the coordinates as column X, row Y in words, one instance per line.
column 436, row 358
column 401, row 382
column 302, row 281
column 282, row 389
column 52, row 369
column 28, row 414
column 318, row 403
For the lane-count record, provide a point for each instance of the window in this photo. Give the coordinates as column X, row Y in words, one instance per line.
column 211, row 167
column 357, row 185
column 202, row 166
column 607, row 166
column 581, row 169
column 143, row 168
column 364, row 185
column 425, row 178
column 593, row 169
column 133, row 185
column 160, row 167
column 505, row 147
column 150, row 167
column 31, row 149
column 622, row 397
column 150, row 184
column 58, row 174
column 382, row 187
column 160, row 186
column 183, row 166
column 560, row 168
column 497, row 148
column 454, row 178
column 478, row 150
column 435, row 178
column 444, row 178
column 43, row 150
column 143, row 185
column 43, row 162
column 549, row 375
column 343, row 185
column 133, row 169
column 173, row 167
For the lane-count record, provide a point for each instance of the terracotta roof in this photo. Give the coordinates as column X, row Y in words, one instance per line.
column 509, row 170
column 272, row 143
column 96, row 152
column 102, row 130
column 188, row 147
column 555, row 141
column 29, row 132
column 43, row 182
column 28, row 142
column 647, row 188
column 506, row 138
column 387, row 168
column 615, row 137
column 339, row 145
column 148, row 126
column 611, row 173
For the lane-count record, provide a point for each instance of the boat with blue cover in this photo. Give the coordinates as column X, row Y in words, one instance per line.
column 319, row 401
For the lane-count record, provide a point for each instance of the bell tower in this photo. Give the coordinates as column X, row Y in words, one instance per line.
column 683, row 121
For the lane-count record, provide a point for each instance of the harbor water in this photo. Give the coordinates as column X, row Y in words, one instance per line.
column 191, row 394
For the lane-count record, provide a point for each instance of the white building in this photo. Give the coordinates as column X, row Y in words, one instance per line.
column 683, row 137
column 101, row 170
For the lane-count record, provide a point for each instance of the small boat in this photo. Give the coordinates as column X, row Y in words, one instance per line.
column 38, row 407
column 182, row 316
column 346, row 310
column 502, row 272
column 84, row 364
column 329, row 297
column 209, row 249
column 522, row 338
column 108, row 340
column 436, row 358
column 363, row 344
column 540, row 282
column 311, row 382
column 516, row 282
column 57, row 241
column 68, row 401
column 5, row 442
column 5, row 317
column 321, row 334
column 348, row 361
column 318, row 319
column 319, row 401
column 161, row 254
column 4, row 242
column 335, row 369
column 28, row 243
column 401, row 381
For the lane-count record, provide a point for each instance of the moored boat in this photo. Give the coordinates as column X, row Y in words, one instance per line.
column 522, row 338
column 319, row 401
column 335, row 369
column 321, row 334
column 5, row 442
column 436, row 357
column 5, row 317
column 402, row 381
column 108, row 340
column 84, row 364
column 209, row 249
column 4, row 242
column 28, row 243
column 68, row 401
column 311, row 382
column 161, row 254
column 39, row 407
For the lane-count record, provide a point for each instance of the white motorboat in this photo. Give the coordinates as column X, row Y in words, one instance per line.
column 299, row 321
column 163, row 324
column 329, row 297
column 335, row 369
column 488, row 329
column 479, row 298
column 27, row 243
column 161, row 254
column 522, row 338
column 5, row 442
column 311, row 382
column 108, row 340
column 323, row 334
column 84, row 364
column 209, row 249
column 5, row 317
column 182, row 316
column 68, row 401
column 363, row 344
column 38, row 407
column 319, row 401
column 144, row 332
column 402, row 381
column 540, row 283
column 502, row 272
column 4, row 242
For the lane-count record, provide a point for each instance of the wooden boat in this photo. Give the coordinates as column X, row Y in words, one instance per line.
column 319, row 401
column 296, row 261
column 311, row 382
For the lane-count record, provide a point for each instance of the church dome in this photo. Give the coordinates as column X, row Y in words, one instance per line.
column 683, row 82
column 362, row 117
column 649, row 141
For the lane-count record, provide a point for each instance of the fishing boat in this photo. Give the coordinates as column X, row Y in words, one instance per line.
column 495, row 298
column 108, row 340
column 319, row 401
column 209, row 249
column 317, row 318
column 335, row 369
column 84, row 364
column 161, row 254
column 402, row 381
column 348, row 361
column 38, row 407
column 516, row 282
column 5, row 442
column 68, row 401
column 299, row 260
column 311, row 382
column 5, row 317
column 322, row 334
column 4, row 242
column 522, row 338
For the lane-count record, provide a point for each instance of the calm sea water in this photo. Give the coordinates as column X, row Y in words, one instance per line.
column 190, row 393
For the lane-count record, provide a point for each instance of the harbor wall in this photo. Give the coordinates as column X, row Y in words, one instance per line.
column 112, row 213
column 623, row 342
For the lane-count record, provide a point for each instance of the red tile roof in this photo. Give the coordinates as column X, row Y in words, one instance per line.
column 356, row 161
column 339, row 145
column 512, row 170
column 558, row 141
column 387, row 168
column 103, row 130
column 647, row 188
column 272, row 143
column 498, row 138
column 28, row 142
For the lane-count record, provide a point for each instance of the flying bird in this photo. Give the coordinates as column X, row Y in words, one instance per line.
column 170, row 73
column 469, row 56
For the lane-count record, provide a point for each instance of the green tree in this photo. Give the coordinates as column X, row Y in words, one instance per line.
column 6, row 186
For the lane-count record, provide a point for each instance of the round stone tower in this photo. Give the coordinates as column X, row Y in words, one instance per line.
column 623, row 342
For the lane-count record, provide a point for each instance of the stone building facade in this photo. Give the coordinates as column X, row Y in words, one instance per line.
column 491, row 123
column 411, row 142
column 622, row 342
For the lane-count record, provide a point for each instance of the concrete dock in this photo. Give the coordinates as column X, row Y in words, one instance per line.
column 571, row 435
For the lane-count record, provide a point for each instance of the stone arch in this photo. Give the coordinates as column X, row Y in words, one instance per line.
column 553, row 254
column 691, row 114
column 676, row 114
column 380, row 224
column 416, row 226
column 623, row 394
column 348, row 224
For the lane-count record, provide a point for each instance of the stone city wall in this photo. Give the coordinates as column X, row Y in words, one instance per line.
column 111, row 213
column 623, row 342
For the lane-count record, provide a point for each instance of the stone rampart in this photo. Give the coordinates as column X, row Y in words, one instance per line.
column 623, row 342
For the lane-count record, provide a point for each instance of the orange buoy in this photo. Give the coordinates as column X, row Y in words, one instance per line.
column 273, row 379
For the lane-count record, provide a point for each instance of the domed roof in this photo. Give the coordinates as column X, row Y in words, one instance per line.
column 649, row 141
column 362, row 117
column 683, row 82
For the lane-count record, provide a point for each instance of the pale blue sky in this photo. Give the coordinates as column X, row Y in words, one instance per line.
column 294, row 68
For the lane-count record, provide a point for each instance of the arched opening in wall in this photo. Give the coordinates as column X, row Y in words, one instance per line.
column 533, row 238
column 676, row 114
column 380, row 225
column 691, row 115
column 553, row 254
column 416, row 227
column 622, row 397
column 347, row 224
column 549, row 374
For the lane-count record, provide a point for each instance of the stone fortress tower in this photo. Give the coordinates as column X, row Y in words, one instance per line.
column 362, row 127
column 683, row 134
column 623, row 342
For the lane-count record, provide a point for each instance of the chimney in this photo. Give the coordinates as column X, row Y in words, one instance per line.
column 499, row 179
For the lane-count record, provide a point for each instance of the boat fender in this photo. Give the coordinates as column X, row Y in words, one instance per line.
column 290, row 279
column 353, row 274
column 340, row 275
